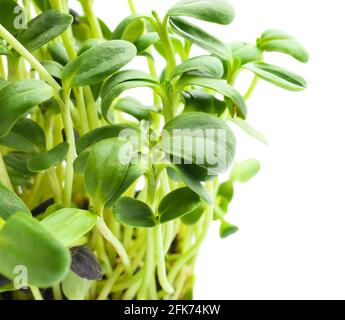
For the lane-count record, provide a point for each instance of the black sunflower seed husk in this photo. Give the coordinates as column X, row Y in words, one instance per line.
column 85, row 263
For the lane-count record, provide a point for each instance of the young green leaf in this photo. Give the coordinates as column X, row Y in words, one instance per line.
column 10, row 203
column 18, row 161
column 122, row 31
column 219, row 86
column 105, row 170
column 75, row 287
column 19, row 97
column 204, row 141
column 134, row 31
column 103, row 133
column 88, row 44
column 227, row 229
column 134, row 213
column 22, row 236
column 199, row 37
column 58, row 53
column 276, row 75
column 126, row 75
column 98, row 63
column 26, row 136
column 177, row 204
column 135, row 171
column 51, row 158
column 147, row 40
column 69, row 225
column 245, row 170
column 201, row 101
column 54, row 68
column 9, row 10
column 117, row 90
column 216, row 11
column 193, row 217
column 134, row 107
column 207, row 65
column 225, row 195
column 44, row 28
column 190, row 181
column 274, row 40
column 249, row 130
column 245, row 52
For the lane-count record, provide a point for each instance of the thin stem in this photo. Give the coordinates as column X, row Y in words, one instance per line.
column 108, row 235
column 162, row 29
column 2, row 68
column 36, row 293
column 184, row 258
column 55, row 185
column 13, row 42
column 132, row 6
column 92, row 19
column 160, row 259
column 4, row 178
column 251, row 88
column 149, row 266
column 68, row 124
column 67, row 36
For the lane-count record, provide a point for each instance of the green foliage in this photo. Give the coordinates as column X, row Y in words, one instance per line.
column 105, row 193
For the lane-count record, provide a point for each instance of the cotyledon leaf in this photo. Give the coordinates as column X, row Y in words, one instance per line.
column 98, row 63
column 22, row 236
column 116, row 91
column 199, row 37
column 19, row 97
column 216, row 11
column 206, row 142
column 26, row 136
column 278, row 76
column 44, row 28
column 177, row 204
column 126, row 75
column 10, row 203
column 45, row 160
column 106, row 168
column 274, row 40
column 120, row 30
column 209, row 65
column 134, row 213
column 70, row 224
column 219, row 86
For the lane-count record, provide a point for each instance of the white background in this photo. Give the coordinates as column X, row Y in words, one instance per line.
column 292, row 215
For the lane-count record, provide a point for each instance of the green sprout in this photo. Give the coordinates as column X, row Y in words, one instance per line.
column 105, row 196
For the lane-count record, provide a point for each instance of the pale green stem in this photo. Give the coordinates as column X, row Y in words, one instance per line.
column 67, row 36
column 132, row 6
column 55, row 185
column 12, row 41
column 36, row 293
column 2, row 68
column 80, row 101
column 94, row 121
column 4, row 178
column 108, row 235
column 149, row 266
column 185, row 257
column 69, row 171
column 92, row 19
column 160, row 259
column 110, row 283
column 251, row 88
